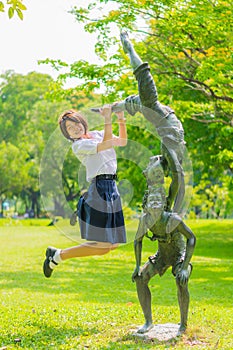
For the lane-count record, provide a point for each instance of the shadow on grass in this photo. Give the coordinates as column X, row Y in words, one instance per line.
column 90, row 280
column 108, row 278
column 51, row 337
column 103, row 283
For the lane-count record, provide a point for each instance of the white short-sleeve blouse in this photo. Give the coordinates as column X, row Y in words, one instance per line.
column 96, row 163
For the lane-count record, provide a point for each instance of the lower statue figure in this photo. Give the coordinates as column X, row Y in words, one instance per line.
column 176, row 244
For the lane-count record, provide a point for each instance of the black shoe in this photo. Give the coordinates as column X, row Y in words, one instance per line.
column 50, row 252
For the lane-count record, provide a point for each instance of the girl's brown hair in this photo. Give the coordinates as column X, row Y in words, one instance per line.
column 74, row 116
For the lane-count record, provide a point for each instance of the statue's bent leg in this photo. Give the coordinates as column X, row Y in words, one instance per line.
column 146, row 87
column 147, row 100
column 177, row 186
column 144, row 294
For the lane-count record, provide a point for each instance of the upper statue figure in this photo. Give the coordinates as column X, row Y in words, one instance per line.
column 168, row 126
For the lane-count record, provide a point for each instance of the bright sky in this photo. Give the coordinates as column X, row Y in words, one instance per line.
column 47, row 31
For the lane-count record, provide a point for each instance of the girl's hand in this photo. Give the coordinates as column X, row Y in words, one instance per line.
column 106, row 112
column 120, row 115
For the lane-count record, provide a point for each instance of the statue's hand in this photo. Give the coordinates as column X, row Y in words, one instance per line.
column 183, row 276
column 135, row 273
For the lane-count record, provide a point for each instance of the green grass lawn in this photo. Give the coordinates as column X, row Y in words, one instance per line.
column 91, row 303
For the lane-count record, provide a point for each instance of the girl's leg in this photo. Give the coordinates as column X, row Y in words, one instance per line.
column 87, row 249
column 55, row 256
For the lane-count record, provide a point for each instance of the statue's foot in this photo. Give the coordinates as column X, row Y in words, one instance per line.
column 147, row 326
column 96, row 109
column 181, row 330
column 118, row 106
column 126, row 43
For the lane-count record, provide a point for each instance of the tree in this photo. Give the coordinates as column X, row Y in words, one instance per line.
column 42, row 122
column 18, row 94
column 15, row 166
column 189, row 47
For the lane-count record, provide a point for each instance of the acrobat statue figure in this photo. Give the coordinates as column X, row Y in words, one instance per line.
column 168, row 127
column 170, row 232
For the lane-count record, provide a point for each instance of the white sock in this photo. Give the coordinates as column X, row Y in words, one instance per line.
column 56, row 258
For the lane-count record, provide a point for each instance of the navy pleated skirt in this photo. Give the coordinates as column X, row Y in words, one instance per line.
column 100, row 213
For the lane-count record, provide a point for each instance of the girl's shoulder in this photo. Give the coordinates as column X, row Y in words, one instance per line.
column 92, row 137
column 96, row 133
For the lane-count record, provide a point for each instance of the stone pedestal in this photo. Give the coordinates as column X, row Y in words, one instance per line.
column 160, row 332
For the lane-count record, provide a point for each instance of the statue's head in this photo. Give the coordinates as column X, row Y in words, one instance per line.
column 154, row 172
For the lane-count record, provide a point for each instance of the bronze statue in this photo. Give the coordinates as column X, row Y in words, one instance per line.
column 166, row 227
column 176, row 241
column 169, row 230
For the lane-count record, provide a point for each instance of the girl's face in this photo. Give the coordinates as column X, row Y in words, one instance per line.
column 75, row 129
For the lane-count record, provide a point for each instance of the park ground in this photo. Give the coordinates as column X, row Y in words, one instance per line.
column 91, row 303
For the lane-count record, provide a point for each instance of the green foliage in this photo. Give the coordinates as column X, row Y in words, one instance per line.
column 14, row 6
column 11, row 161
column 18, row 93
column 212, row 199
column 92, row 303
